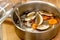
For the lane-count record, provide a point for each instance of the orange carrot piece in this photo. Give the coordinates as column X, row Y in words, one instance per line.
column 52, row 21
column 45, row 17
column 34, row 26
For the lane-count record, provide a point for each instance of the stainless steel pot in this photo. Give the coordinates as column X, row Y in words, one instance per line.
column 38, row 5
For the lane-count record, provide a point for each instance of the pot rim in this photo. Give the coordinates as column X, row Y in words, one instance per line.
column 35, row 2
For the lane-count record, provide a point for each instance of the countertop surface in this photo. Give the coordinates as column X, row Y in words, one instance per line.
column 9, row 31
column 8, row 28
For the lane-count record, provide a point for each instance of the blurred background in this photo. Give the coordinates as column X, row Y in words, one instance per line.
column 56, row 2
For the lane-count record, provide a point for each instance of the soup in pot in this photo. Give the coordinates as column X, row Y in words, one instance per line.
column 38, row 20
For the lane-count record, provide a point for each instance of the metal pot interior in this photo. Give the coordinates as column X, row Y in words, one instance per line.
column 34, row 6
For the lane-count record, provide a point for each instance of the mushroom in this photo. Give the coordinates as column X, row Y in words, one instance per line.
column 43, row 27
column 30, row 16
column 47, row 14
column 39, row 19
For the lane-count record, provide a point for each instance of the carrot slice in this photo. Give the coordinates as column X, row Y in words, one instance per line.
column 52, row 21
column 45, row 17
column 34, row 26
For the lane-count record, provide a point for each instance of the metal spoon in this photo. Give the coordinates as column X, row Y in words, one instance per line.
column 17, row 12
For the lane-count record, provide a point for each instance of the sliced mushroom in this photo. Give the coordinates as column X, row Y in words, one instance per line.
column 29, row 18
column 47, row 14
column 39, row 19
column 30, row 14
column 43, row 27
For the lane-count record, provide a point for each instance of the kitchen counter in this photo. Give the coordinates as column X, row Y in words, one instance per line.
column 9, row 31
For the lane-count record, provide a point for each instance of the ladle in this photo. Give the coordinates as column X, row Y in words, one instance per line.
column 17, row 12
